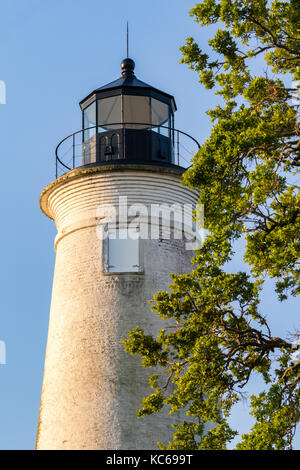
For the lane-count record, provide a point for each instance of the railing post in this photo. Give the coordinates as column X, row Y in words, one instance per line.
column 178, row 148
column 73, row 151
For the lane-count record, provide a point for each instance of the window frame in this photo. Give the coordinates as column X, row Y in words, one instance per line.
column 105, row 254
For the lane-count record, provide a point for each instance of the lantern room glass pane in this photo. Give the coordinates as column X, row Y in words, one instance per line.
column 136, row 110
column 159, row 113
column 109, row 112
column 89, row 120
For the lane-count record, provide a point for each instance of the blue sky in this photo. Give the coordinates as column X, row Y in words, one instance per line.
column 52, row 55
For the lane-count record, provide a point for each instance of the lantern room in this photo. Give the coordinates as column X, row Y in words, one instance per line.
column 128, row 121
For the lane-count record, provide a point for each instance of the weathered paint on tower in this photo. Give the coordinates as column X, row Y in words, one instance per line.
column 92, row 388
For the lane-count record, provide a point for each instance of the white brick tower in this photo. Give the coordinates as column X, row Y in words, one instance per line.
column 92, row 388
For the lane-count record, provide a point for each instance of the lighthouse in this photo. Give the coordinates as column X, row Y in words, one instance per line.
column 117, row 201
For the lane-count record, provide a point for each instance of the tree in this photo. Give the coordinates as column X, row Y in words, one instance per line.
column 246, row 174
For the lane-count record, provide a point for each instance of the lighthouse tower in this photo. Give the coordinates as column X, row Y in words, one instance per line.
column 123, row 166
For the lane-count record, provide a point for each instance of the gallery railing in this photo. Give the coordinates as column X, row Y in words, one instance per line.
column 72, row 151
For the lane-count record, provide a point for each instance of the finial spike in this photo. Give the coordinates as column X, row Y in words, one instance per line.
column 127, row 40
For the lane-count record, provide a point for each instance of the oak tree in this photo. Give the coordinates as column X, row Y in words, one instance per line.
column 246, row 174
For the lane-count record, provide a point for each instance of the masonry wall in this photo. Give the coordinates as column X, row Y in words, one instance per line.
column 92, row 388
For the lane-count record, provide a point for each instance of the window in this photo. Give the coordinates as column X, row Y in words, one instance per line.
column 121, row 253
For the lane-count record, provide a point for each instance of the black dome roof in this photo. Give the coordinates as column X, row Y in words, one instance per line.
column 127, row 84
